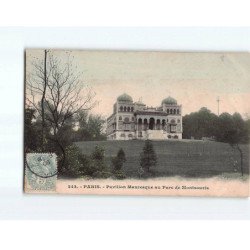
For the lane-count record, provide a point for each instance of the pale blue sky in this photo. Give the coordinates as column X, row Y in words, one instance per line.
column 195, row 79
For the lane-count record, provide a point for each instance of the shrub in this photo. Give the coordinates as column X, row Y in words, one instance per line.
column 118, row 161
column 78, row 164
column 98, row 153
column 73, row 165
column 148, row 156
column 117, row 164
column 120, row 175
column 121, row 155
column 98, row 163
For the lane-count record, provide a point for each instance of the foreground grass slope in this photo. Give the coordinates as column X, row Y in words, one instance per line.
column 176, row 158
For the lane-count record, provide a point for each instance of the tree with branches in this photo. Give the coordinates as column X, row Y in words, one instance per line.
column 56, row 91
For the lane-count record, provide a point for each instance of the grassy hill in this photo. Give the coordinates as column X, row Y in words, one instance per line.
column 183, row 158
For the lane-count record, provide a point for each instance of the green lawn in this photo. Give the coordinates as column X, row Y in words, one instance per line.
column 176, row 158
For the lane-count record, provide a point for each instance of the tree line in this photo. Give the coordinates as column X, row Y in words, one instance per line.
column 223, row 128
column 231, row 129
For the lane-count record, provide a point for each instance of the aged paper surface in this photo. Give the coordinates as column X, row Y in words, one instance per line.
column 137, row 123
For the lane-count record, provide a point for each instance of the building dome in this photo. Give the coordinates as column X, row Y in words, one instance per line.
column 124, row 98
column 169, row 100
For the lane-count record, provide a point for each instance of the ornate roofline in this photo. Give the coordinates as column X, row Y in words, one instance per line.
column 141, row 112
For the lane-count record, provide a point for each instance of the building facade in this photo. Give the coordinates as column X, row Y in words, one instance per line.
column 134, row 120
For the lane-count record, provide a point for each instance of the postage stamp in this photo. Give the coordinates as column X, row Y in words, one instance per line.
column 41, row 171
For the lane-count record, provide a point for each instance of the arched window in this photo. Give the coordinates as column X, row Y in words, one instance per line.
column 163, row 124
column 121, row 108
column 151, row 123
column 132, row 109
column 174, row 111
column 125, row 109
column 145, row 125
column 126, row 119
column 120, row 118
column 158, row 124
column 128, row 109
column 170, row 111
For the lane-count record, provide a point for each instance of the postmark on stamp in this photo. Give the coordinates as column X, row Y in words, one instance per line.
column 41, row 171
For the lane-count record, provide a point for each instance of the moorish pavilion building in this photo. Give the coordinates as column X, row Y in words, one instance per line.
column 134, row 120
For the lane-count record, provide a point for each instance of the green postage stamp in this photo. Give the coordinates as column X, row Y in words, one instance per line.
column 41, row 172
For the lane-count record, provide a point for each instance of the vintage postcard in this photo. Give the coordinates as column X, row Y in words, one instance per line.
column 137, row 122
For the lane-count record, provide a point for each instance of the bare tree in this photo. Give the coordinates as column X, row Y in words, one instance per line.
column 36, row 88
column 55, row 89
column 43, row 95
